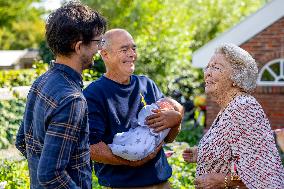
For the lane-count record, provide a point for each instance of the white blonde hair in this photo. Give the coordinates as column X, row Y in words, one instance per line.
column 244, row 67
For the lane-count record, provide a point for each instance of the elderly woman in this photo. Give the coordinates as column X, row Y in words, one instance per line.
column 238, row 151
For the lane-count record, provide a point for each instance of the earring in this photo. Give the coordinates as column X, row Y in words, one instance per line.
column 234, row 84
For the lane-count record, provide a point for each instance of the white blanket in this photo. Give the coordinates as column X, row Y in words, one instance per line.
column 138, row 142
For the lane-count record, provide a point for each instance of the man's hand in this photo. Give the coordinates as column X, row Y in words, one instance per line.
column 163, row 119
column 190, row 155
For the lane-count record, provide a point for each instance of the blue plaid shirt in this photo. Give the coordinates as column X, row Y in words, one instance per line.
column 54, row 133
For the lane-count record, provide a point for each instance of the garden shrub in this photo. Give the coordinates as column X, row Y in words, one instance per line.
column 26, row 77
column 14, row 78
column 15, row 173
column 11, row 112
column 183, row 173
column 189, row 133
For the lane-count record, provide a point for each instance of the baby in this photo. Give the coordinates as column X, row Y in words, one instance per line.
column 139, row 142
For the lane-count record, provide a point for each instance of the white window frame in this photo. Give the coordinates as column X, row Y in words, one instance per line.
column 276, row 82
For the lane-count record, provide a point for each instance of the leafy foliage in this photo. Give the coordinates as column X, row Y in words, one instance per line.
column 183, row 173
column 45, row 53
column 13, row 78
column 25, row 77
column 190, row 134
column 21, row 25
column 11, row 112
column 16, row 174
column 167, row 33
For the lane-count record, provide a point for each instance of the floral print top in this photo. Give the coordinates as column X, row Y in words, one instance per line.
column 241, row 136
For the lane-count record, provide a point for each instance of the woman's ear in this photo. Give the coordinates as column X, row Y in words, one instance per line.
column 78, row 47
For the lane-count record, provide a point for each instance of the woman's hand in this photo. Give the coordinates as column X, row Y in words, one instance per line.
column 190, row 155
column 163, row 119
column 280, row 138
column 210, row 181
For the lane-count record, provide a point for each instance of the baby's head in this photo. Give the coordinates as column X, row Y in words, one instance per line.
column 162, row 104
column 165, row 104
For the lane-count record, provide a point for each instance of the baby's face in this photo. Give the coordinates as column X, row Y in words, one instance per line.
column 163, row 104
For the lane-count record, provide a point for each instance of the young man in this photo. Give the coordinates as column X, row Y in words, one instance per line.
column 54, row 133
column 114, row 101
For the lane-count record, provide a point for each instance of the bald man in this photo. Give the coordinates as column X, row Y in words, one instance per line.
column 114, row 101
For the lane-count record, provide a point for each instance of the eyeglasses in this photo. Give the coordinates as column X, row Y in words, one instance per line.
column 99, row 42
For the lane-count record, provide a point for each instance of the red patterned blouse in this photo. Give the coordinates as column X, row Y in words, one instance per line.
column 241, row 137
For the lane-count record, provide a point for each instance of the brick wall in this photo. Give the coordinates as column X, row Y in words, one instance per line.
column 264, row 47
column 268, row 44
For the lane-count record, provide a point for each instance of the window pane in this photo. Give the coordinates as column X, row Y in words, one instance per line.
column 266, row 76
column 281, row 80
column 276, row 68
column 283, row 68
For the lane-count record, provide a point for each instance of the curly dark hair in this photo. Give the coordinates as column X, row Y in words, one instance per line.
column 71, row 23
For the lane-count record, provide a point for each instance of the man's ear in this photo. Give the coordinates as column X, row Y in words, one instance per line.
column 78, row 47
column 104, row 54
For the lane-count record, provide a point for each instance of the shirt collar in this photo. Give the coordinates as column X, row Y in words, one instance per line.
column 71, row 72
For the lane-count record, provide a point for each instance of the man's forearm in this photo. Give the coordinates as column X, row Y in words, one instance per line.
column 101, row 153
column 172, row 134
column 175, row 130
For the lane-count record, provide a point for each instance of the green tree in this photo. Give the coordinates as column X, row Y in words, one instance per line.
column 167, row 32
column 21, row 25
column 45, row 53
